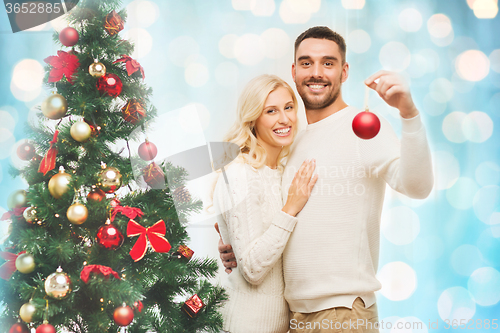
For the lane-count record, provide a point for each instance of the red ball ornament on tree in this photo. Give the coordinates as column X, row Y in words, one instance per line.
column 96, row 195
column 109, row 237
column 109, row 84
column 19, row 328
column 147, row 151
column 46, row 328
column 123, row 315
column 366, row 125
column 26, row 151
column 68, row 36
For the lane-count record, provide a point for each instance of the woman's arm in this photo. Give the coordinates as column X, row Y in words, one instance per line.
column 241, row 225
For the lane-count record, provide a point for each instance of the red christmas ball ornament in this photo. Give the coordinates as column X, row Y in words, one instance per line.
column 19, row 328
column 123, row 315
column 96, row 195
column 366, row 125
column 109, row 84
column 147, row 151
column 109, row 237
column 26, row 151
column 68, row 36
column 46, row 328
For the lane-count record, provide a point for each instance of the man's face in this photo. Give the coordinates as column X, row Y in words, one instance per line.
column 318, row 72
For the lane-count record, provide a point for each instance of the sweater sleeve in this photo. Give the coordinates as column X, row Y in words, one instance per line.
column 256, row 250
column 405, row 165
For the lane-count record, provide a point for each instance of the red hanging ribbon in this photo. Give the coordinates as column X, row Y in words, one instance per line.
column 49, row 161
column 8, row 268
column 130, row 212
column 99, row 269
column 152, row 235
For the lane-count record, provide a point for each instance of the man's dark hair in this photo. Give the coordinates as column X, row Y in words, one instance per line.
column 322, row 33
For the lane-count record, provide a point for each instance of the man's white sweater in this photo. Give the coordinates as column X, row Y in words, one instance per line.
column 332, row 256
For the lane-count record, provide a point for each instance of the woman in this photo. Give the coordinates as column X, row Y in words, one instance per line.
column 254, row 220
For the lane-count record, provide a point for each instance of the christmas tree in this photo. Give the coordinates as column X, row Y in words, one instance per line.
column 79, row 257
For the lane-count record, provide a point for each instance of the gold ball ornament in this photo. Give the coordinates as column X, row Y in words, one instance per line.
column 109, row 179
column 97, row 69
column 29, row 215
column 17, row 199
column 58, row 184
column 58, row 285
column 80, row 131
column 77, row 213
column 55, row 106
column 27, row 311
column 25, row 263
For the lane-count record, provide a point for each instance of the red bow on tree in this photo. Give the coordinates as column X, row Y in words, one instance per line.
column 131, row 65
column 104, row 270
column 8, row 268
column 49, row 161
column 64, row 63
column 16, row 212
column 130, row 212
column 152, row 235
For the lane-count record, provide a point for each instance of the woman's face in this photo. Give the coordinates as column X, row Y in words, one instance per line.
column 277, row 123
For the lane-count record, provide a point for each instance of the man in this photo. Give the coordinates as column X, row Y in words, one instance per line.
column 332, row 256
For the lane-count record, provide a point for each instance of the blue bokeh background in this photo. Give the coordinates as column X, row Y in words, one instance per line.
column 440, row 256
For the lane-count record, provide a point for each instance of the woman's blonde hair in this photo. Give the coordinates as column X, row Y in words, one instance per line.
column 250, row 107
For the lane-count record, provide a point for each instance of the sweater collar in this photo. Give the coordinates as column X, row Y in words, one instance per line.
column 330, row 119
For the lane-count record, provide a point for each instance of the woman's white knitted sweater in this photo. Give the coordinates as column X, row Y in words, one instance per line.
column 258, row 230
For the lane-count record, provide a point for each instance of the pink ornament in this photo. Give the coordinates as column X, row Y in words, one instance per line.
column 69, row 36
column 147, row 151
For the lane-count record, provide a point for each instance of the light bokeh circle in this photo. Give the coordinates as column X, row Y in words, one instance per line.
column 486, row 202
column 142, row 40
column 410, row 20
column 359, row 41
column 28, row 75
column 277, row 43
column 395, row 56
column 290, row 13
column 484, row 286
column 472, row 65
column 452, row 127
column 477, row 126
column 353, row 4
column 439, row 26
column 249, row 49
column 456, row 303
column 226, row 45
column 398, row 279
column 142, row 13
